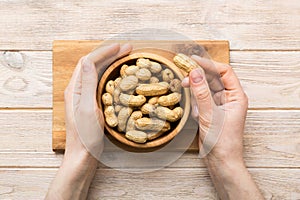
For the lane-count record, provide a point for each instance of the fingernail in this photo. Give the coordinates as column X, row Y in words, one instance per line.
column 196, row 75
column 87, row 65
column 125, row 48
column 185, row 82
column 114, row 44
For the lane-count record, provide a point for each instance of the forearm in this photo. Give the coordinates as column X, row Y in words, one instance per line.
column 73, row 178
column 233, row 181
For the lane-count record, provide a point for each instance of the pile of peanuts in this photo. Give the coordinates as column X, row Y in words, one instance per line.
column 143, row 101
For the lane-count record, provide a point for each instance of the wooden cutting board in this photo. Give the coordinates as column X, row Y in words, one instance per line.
column 67, row 53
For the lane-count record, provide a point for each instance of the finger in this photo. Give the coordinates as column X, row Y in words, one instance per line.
column 234, row 90
column 228, row 77
column 89, row 80
column 125, row 49
column 185, row 82
column 212, row 75
column 103, row 53
column 219, row 98
column 201, row 92
column 104, row 56
column 199, row 88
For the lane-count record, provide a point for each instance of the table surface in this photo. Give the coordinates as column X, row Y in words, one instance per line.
column 264, row 51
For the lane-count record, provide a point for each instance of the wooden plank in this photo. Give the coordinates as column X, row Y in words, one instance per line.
column 163, row 184
column 189, row 159
column 67, row 53
column 259, row 72
column 30, row 159
column 269, row 76
column 248, row 25
column 25, row 130
column 25, row 79
column 272, row 139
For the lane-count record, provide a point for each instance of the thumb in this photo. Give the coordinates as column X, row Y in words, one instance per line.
column 89, row 80
column 210, row 125
column 201, row 92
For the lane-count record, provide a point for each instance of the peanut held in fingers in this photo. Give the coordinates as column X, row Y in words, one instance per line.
column 185, row 63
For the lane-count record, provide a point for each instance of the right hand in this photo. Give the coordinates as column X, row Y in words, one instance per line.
column 229, row 99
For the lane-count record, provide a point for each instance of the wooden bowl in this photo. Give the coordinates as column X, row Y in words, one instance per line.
column 113, row 71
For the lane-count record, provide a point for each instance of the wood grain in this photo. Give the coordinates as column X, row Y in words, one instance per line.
column 272, row 139
column 67, row 53
column 265, row 53
column 269, row 76
column 25, row 79
column 164, row 184
column 248, row 25
column 25, row 130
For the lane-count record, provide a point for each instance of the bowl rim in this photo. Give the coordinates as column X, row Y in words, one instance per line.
column 158, row 58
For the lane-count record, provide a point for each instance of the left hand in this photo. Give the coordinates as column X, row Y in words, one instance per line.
column 84, row 125
column 84, row 120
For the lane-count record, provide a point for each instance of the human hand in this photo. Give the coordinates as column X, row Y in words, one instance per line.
column 84, row 124
column 84, row 120
column 219, row 104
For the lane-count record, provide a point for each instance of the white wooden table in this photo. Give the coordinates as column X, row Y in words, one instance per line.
column 265, row 53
